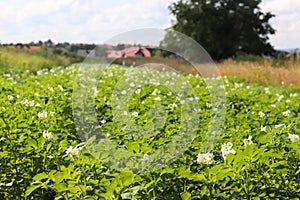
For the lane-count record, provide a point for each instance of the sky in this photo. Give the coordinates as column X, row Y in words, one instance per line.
column 96, row 21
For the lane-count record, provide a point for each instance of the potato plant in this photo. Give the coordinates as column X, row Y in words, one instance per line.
column 42, row 157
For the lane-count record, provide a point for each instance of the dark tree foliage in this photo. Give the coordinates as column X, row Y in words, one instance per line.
column 224, row 27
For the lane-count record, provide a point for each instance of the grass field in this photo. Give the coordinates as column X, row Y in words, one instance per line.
column 21, row 60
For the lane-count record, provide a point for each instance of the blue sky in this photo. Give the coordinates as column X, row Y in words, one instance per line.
column 98, row 20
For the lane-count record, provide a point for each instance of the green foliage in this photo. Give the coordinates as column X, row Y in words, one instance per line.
column 22, row 60
column 223, row 27
column 242, row 57
column 34, row 167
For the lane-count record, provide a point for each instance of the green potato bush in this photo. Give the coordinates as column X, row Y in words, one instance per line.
column 42, row 157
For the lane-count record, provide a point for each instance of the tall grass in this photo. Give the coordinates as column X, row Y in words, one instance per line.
column 19, row 60
column 263, row 70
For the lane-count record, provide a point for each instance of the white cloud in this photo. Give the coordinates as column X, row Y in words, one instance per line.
column 79, row 20
column 99, row 20
column 286, row 22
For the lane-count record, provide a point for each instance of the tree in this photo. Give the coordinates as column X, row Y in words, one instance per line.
column 224, row 27
column 120, row 47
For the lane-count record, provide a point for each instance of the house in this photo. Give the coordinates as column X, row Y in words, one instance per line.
column 35, row 48
column 21, row 46
column 134, row 51
column 84, row 52
column 293, row 54
column 114, row 54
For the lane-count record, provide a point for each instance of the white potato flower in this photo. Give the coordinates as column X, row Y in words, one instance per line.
column 42, row 115
column 155, row 92
column 226, row 149
column 279, row 125
column 138, row 91
column 73, row 152
column 145, row 158
column 123, row 92
column 60, row 88
column 26, row 102
column 267, row 90
column 135, row 114
column 286, row 113
column 280, row 97
column 9, row 97
column 31, row 103
column 47, row 135
column 263, row 128
column 237, row 85
column 172, row 106
column 261, row 114
column 294, row 137
column 51, row 89
column 205, row 158
column 248, row 141
column 157, row 99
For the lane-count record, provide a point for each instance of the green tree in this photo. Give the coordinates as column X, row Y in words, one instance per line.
column 223, row 27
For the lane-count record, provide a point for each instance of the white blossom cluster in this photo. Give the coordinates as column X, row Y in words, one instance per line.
column 226, row 149
column 267, row 90
column 26, row 102
column 47, row 135
column 261, row 114
column 44, row 114
column 10, row 98
column 280, row 97
column 294, row 137
column 135, row 114
column 172, row 106
column 205, row 158
column 248, row 141
column 286, row 113
column 73, row 152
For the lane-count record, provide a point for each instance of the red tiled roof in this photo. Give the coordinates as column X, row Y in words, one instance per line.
column 35, row 48
column 114, row 54
column 132, row 51
column 290, row 54
column 128, row 52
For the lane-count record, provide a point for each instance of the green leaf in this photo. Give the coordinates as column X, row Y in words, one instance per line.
column 186, row 196
column 31, row 189
column 60, row 187
column 40, row 176
column 31, row 142
column 197, row 177
column 167, row 170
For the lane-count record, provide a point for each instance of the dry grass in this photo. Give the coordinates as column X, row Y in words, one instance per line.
column 266, row 72
column 263, row 73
